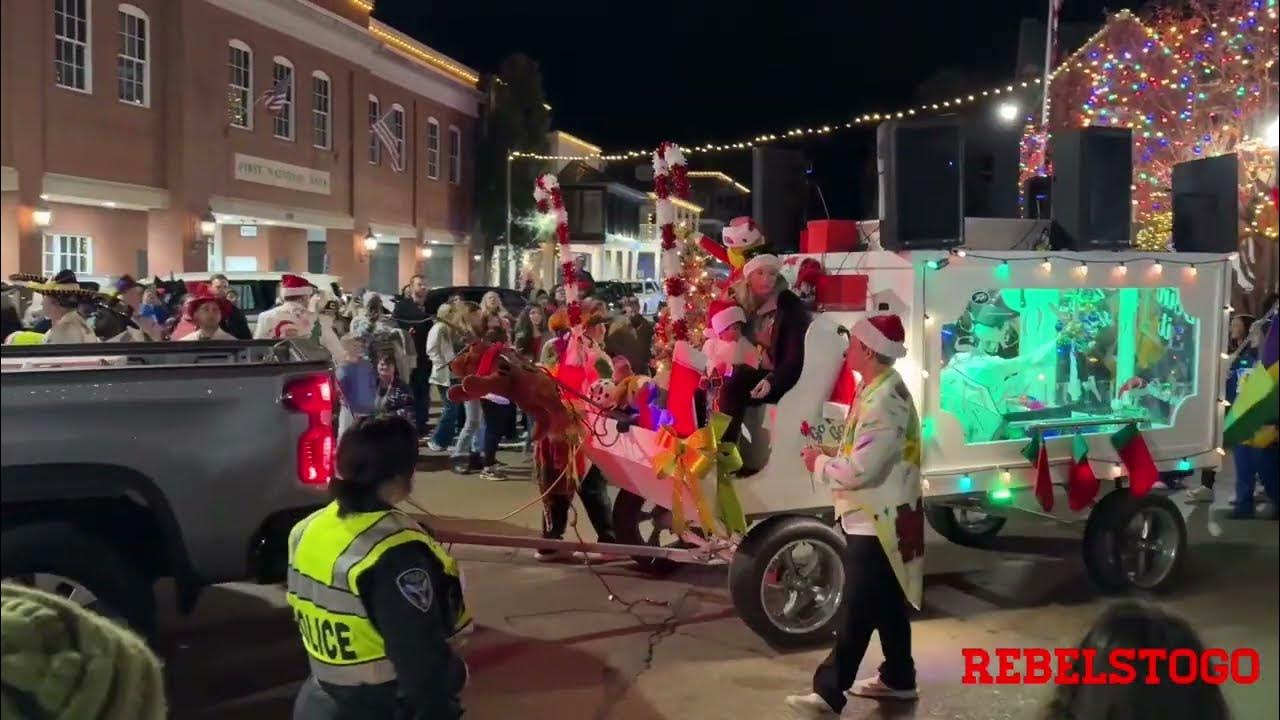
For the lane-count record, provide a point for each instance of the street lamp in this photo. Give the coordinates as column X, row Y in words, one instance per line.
column 1007, row 111
column 370, row 241
column 42, row 216
column 208, row 223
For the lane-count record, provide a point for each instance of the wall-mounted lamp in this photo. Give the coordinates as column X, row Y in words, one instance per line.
column 42, row 216
column 208, row 223
column 370, row 241
column 425, row 252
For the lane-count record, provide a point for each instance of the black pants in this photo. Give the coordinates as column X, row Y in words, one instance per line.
column 594, row 492
column 735, row 397
column 873, row 601
column 497, row 417
column 419, row 383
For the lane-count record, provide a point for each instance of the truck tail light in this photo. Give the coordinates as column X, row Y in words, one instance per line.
column 313, row 396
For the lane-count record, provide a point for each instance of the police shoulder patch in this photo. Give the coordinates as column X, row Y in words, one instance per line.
column 415, row 585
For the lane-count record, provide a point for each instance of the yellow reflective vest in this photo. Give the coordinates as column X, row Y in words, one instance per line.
column 327, row 555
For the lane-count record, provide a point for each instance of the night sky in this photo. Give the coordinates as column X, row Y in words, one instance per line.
column 627, row 75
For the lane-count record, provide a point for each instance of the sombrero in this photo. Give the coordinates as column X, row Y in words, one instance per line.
column 63, row 285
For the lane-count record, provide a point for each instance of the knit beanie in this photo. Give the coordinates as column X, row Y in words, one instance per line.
column 61, row 661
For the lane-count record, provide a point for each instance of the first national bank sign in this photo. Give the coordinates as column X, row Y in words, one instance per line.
column 282, row 175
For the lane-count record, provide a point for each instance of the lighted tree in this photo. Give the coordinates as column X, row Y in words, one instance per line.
column 702, row 290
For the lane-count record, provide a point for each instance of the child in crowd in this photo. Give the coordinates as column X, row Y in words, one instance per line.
column 728, row 347
column 358, row 383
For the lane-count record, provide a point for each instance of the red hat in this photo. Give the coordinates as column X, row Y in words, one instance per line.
column 195, row 301
column 723, row 314
column 741, row 233
column 882, row 334
column 295, row 286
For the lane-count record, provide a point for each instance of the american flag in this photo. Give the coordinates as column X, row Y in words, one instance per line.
column 382, row 129
column 276, row 96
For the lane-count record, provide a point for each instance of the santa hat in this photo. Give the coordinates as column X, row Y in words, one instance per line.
column 740, row 233
column 882, row 334
column 723, row 314
column 761, row 261
column 194, row 302
column 295, row 286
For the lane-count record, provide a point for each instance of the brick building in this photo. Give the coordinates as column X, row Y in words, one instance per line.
column 129, row 130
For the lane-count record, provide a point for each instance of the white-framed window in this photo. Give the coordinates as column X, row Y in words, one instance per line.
column 67, row 252
column 72, row 62
column 455, row 155
column 396, row 121
column 282, row 74
column 321, row 112
column 133, row 71
column 433, row 149
column 375, row 148
column 240, row 85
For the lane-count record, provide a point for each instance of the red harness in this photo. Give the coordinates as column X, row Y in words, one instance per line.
column 488, row 364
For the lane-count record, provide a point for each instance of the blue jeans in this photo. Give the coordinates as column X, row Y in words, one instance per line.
column 469, row 438
column 447, row 428
column 1253, row 465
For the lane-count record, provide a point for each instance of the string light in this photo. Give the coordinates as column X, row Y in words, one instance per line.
column 1083, row 269
column 865, row 119
column 1190, row 270
column 1122, row 269
column 1046, row 266
column 413, row 48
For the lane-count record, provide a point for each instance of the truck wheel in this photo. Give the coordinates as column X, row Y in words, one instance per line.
column 64, row 560
column 1135, row 543
column 787, row 581
column 962, row 526
column 639, row 522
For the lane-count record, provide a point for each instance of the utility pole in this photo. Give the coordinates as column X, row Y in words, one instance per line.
column 507, row 270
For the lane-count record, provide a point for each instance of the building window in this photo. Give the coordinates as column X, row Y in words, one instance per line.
column 455, row 155
column 281, row 101
column 240, row 85
column 132, row 69
column 433, row 149
column 68, row 252
column 397, row 134
column 321, row 98
column 71, row 61
column 375, row 113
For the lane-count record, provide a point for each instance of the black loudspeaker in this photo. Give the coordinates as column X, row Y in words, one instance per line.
column 779, row 196
column 1206, row 205
column 921, row 168
column 990, row 168
column 1037, row 197
column 1092, row 173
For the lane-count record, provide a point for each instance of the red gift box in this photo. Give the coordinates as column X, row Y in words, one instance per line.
column 825, row 236
column 842, row 292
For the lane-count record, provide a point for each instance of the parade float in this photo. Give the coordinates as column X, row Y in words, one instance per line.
column 1060, row 384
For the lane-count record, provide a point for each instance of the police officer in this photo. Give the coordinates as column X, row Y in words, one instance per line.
column 376, row 599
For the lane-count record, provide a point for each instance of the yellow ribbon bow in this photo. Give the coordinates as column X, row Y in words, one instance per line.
column 687, row 460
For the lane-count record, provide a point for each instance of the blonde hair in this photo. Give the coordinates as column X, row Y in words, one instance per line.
column 741, row 291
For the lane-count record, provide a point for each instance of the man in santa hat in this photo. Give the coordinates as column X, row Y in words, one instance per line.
column 294, row 318
column 874, row 478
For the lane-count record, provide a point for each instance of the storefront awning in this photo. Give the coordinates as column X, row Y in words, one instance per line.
column 250, row 212
column 57, row 187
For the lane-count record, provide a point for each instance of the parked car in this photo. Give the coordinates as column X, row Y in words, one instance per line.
column 649, row 293
column 257, row 291
column 611, row 293
column 125, row 463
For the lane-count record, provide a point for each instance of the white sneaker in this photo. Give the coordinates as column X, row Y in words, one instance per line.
column 1200, row 494
column 810, row 706
column 872, row 687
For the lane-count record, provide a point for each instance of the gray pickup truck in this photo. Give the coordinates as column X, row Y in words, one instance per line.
column 126, row 463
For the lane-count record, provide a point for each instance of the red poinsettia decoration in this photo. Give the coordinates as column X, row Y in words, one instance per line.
column 806, row 429
column 910, row 528
column 675, row 286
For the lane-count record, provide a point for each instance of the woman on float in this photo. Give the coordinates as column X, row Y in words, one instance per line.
column 776, row 323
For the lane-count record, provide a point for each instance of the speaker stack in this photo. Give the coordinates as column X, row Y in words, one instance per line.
column 1092, row 176
column 1206, row 205
column 921, row 172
